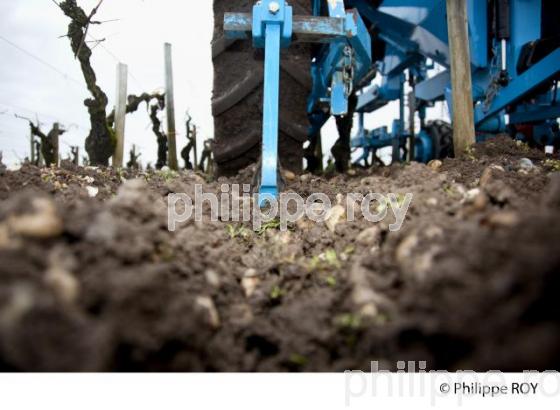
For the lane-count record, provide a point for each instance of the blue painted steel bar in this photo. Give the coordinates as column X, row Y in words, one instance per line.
column 380, row 96
column 433, row 88
column 539, row 114
column 269, row 171
column 271, row 29
column 238, row 25
column 360, row 41
column 308, row 29
column 521, row 86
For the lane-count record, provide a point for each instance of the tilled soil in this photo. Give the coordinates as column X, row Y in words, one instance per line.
column 92, row 280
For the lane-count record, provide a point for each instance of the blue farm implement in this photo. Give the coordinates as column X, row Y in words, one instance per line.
column 365, row 54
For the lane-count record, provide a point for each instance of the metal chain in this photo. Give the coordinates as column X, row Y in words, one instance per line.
column 348, row 70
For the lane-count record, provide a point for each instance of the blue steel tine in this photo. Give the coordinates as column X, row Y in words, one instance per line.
column 269, row 177
column 272, row 19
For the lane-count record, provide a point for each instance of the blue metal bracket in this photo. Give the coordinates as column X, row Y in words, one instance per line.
column 346, row 61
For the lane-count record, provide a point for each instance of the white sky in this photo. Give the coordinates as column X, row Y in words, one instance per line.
column 29, row 87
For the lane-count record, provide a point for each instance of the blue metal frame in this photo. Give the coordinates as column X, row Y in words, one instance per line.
column 415, row 32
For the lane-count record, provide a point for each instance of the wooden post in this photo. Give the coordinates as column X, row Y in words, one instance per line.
column 170, row 105
column 120, row 114
column 461, row 81
column 56, row 143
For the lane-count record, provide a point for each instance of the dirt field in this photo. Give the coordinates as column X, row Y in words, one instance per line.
column 99, row 283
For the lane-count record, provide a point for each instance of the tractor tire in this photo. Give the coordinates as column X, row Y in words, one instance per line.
column 238, row 96
column 442, row 138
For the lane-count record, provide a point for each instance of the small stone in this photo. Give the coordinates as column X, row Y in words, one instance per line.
column 335, row 216
column 250, row 273
column 212, row 278
column 432, row 201
column 92, row 191
column 525, row 164
column 208, row 305
column 423, row 264
column 435, row 165
column 250, row 285
column 59, row 185
column 471, row 195
column 405, row 249
column 305, row 177
column 480, row 202
column 304, row 224
column 506, row 219
column 59, row 276
column 43, row 223
column 489, row 174
column 289, row 176
column 460, row 189
column 352, row 172
column 370, row 236
column 6, row 240
column 369, row 310
column 63, row 283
